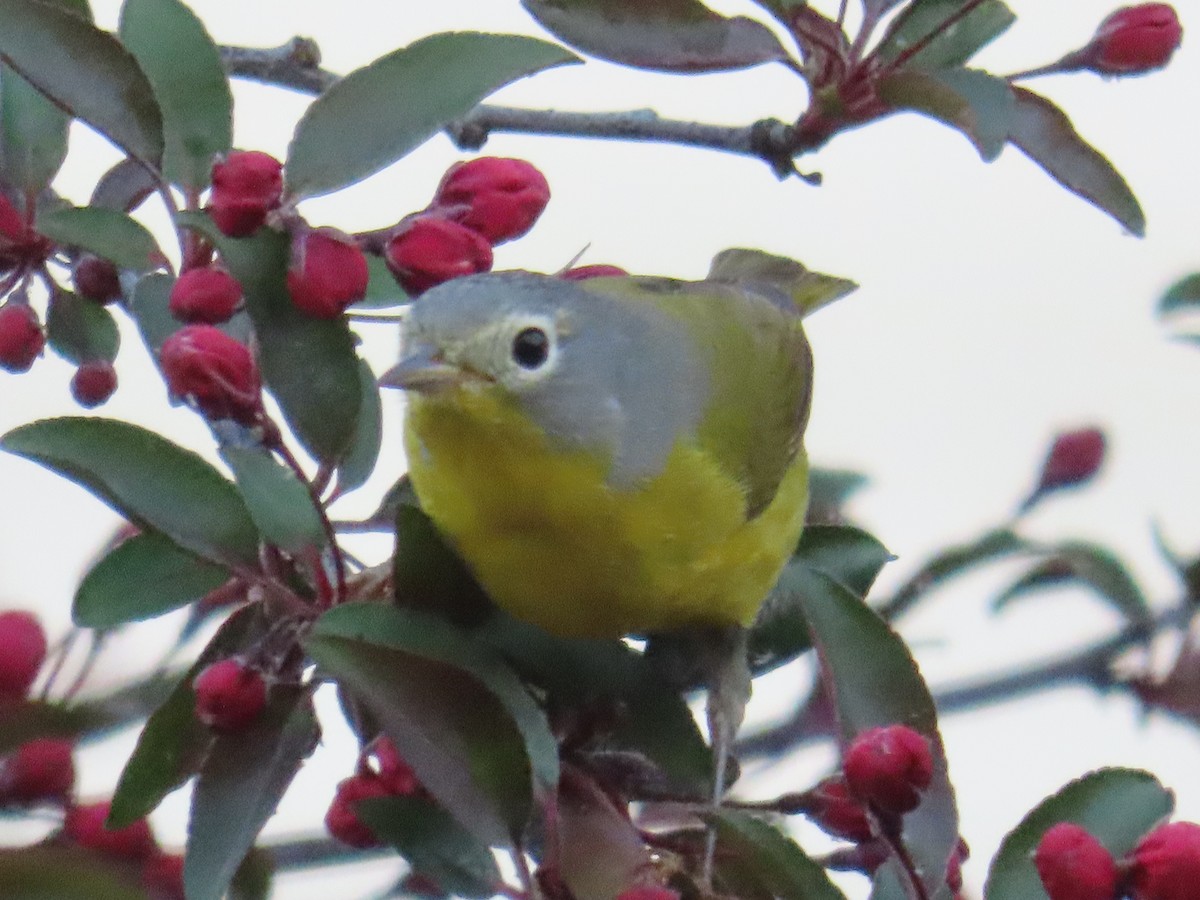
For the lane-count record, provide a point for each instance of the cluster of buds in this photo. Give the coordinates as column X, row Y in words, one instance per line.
column 1074, row 865
column 161, row 873
column 381, row 772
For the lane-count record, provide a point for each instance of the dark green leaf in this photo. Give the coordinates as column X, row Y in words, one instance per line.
column 1182, row 295
column 756, row 859
column 151, row 309
column 280, row 505
column 434, row 844
column 828, row 492
column 377, row 114
column 174, row 743
column 144, row 576
column 774, row 275
column 979, row 105
column 383, row 290
column 428, row 575
column 873, row 681
column 152, row 482
column 455, row 711
column 108, row 233
column 124, row 186
column 81, row 330
column 33, row 139
column 1043, row 132
column 1118, row 806
column 85, row 71
column 64, row 873
column 359, row 462
column 952, row 46
column 242, row 781
column 293, row 347
column 252, row 880
column 184, row 68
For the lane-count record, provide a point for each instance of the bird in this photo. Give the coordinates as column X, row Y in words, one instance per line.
column 616, row 456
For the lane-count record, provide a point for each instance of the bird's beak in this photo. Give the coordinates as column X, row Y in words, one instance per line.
column 423, row 370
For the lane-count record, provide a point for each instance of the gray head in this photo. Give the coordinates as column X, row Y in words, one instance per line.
column 596, row 371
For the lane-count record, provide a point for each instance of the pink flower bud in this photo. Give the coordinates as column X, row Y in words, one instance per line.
column 327, row 274
column 230, row 696
column 41, row 769
column 1073, row 865
column 22, row 652
column 831, row 807
column 84, row 825
column 19, row 243
column 246, row 185
column 430, row 251
column 21, row 337
column 499, row 198
column 396, row 774
column 1074, row 458
column 93, row 383
column 213, row 372
column 96, row 279
column 343, row 822
column 1134, row 39
column 599, row 270
column 206, row 294
column 888, row 767
column 1166, row 864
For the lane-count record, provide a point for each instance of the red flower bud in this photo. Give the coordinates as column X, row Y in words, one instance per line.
column 327, row 274
column 1074, row 458
column 1166, row 863
column 41, row 769
column 162, row 877
column 499, row 198
column 207, row 294
column 213, row 372
column 430, row 251
column 961, row 854
column 888, row 767
column 392, row 770
column 1073, row 865
column 22, row 652
column 18, row 242
column 343, row 822
column 93, row 383
column 831, row 807
column 599, row 270
column 1134, row 39
column 85, row 826
column 246, row 185
column 96, row 279
column 229, row 695
column 21, row 337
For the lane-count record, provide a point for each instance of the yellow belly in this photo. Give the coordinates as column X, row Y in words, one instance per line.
column 556, row 546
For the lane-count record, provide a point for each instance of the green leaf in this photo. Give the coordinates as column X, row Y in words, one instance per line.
column 108, row 233
column 771, row 274
column 242, row 781
column 359, row 462
column 144, row 576
column 979, row 105
column 51, row 872
column 280, row 505
column 828, row 492
column 434, row 844
column 85, row 71
column 873, row 681
column 427, row 574
column 33, row 134
column 669, row 35
column 1043, row 132
column 124, row 186
column 151, row 309
column 252, row 880
column 293, row 347
column 152, row 482
column 383, row 291
column 952, row 562
column 377, row 114
column 184, row 68
column 952, row 46
column 1182, row 295
column 756, row 859
column 174, row 743
column 1118, row 806
column 81, row 330
column 455, row 711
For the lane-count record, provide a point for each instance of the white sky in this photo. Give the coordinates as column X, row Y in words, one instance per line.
column 995, row 309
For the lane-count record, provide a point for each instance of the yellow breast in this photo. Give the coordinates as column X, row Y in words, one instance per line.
column 554, row 545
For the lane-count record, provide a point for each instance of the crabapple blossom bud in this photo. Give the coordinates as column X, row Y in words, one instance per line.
column 93, row 383
column 342, row 821
column 246, row 185
column 1166, row 863
column 96, row 279
column 1073, row 865
column 21, row 337
column 1133, row 40
column 499, row 198
column 22, row 652
column 229, row 695
column 206, row 294
column 888, row 767
column 393, row 771
column 429, row 251
column 213, row 372
column 599, row 270
column 162, row 877
column 85, row 826
column 327, row 274
column 831, row 806
column 1074, row 458
column 41, row 769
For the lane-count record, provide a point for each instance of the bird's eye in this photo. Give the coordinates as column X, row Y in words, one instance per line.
column 530, row 348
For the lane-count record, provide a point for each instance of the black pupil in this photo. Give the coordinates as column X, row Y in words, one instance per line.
column 530, row 348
